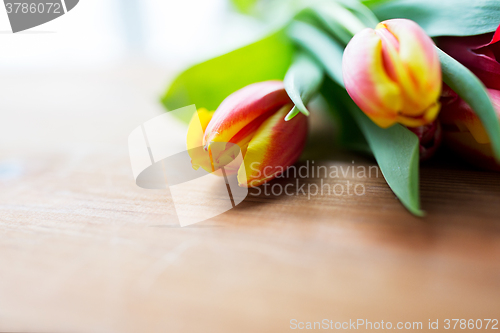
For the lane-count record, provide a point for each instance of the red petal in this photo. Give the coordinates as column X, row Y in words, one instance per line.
column 243, row 107
column 496, row 36
column 478, row 53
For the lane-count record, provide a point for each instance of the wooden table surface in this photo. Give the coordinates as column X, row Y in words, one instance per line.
column 83, row 249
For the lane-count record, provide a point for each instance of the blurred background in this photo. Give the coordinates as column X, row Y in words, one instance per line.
column 170, row 34
column 97, row 72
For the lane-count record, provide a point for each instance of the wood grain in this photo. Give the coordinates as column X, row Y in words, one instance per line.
column 83, row 249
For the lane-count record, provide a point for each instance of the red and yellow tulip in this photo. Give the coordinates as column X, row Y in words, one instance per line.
column 393, row 74
column 253, row 120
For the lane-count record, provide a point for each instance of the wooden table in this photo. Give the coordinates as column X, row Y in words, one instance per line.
column 83, row 249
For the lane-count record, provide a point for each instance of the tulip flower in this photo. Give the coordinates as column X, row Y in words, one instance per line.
column 253, row 120
column 429, row 137
column 481, row 54
column 393, row 74
column 463, row 131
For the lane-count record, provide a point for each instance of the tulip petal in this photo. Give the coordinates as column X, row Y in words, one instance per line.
column 481, row 54
column 417, row 66
column 367, row 81
column 242, row 107
column 496, row 36
column 221, row 154
column 463, row 117
column 276, row 145
column 197, row 125
column 429, row 115
column 460, row 114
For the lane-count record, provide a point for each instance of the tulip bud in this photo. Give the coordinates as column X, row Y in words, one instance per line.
column 393, row 74
column 463, row 131
column 429, row 137
column 253, row 120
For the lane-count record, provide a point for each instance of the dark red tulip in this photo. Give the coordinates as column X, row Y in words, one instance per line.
column 481, row 54
column 463, row 131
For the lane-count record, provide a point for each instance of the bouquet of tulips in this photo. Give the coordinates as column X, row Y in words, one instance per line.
column 400, row 77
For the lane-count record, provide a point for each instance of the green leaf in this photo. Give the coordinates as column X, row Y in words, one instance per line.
column 341, row 22
column 328, row 52
column 333, row 26
column 444, row 17
column 209, row 83
column 244, row 6
column 342, row 18
column 371, row 3
column 396, row 150
column 349, row 134
column 362, row 12
column 472, row 91
column 302, row 81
